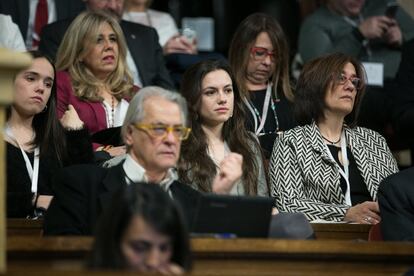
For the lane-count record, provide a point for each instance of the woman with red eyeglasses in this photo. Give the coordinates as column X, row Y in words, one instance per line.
column 328, row 168
column 259, row 58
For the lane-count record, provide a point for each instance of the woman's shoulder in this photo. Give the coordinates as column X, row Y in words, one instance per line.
column 296, row 133
column 366, row 135
column 365, row 132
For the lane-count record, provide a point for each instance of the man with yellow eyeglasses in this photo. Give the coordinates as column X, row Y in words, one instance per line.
column 154, row 126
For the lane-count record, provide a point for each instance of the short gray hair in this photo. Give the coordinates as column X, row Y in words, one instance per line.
column 136, row 111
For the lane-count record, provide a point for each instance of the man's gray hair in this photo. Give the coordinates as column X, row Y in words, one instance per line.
column 136, row 111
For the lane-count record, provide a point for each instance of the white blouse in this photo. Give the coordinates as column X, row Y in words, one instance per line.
column 161, row 21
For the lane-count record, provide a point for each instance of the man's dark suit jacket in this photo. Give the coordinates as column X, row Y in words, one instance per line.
column 19, row 11
column 403, row 96
column 142, row 42
column 83, row 192
column 396, row 202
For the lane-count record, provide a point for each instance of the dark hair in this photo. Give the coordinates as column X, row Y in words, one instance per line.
column 317, row 77
column 239, row 52
column 50, row 136
column 156, row 208
column 194, row 156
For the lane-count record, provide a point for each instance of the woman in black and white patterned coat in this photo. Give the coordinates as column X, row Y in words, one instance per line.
column 328, row 168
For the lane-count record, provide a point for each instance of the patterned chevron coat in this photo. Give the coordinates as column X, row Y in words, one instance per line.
column 304, row 179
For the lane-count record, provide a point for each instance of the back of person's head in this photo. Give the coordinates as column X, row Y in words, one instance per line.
column 317, row 78
column 122, row 244
column 244, row 39
column 78, row 41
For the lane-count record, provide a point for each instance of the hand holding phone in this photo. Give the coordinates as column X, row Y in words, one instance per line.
column 391, row 10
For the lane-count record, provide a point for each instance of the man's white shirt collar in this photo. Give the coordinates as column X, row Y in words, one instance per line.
column 134, row 172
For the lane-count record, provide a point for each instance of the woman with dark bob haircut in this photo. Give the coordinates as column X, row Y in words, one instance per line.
column 220, row 155
column 142, row 230
column 328, row 168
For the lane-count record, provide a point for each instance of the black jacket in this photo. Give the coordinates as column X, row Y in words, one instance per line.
column 396, row 202
column 83, row 192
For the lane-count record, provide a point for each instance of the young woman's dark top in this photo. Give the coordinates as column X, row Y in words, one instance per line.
column 284, row 115
column 19, row 194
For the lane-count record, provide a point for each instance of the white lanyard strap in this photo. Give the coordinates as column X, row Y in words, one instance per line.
column 344, row 172
column 265, row 110
column 33, row 172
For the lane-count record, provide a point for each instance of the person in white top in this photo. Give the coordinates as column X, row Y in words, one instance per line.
column 170, row 39
column 10, row 36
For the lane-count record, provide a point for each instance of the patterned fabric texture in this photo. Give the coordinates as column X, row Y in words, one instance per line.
column 304, row 179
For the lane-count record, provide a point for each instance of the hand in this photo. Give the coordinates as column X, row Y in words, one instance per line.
column 115, row 151
column 375, row 26
column 365, row 213
column 170, row 269
column 230, row 171
column 43, row 201
column 70, row 119
column 275, row 211
column 180, row 44
column 393, row 36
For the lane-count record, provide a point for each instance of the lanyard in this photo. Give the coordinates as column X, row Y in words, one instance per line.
column 344, row 172
column 255, row 113
column 32, row 171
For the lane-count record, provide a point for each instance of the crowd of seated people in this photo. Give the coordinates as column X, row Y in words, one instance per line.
column 322, row 164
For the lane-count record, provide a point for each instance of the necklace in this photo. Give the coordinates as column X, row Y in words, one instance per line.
column 110, row 115
column 331, row 142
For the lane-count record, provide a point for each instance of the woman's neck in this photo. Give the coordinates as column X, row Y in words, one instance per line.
column 131, row 7
column 213, row 133
column 331, row 127
column 22, row 129
column 255, row 86
column 20, row 121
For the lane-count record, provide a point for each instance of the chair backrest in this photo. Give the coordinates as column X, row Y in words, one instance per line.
column 375, row 233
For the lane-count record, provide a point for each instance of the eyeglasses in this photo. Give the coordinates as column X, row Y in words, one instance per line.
column 356, row 82
column 161, row 131
column 260, row 53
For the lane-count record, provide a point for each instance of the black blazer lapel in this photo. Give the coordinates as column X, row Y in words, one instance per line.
column 136, row 49
column 187, row 198
column 113, row 181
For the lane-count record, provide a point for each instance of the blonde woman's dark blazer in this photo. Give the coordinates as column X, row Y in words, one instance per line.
column 304, row 179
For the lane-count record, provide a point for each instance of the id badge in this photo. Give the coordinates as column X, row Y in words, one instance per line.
column 375, row 73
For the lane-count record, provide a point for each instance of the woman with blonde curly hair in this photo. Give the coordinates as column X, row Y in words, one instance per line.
column 93, row 75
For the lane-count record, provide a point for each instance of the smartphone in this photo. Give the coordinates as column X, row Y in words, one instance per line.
column 190, row 34
column 391, row 10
